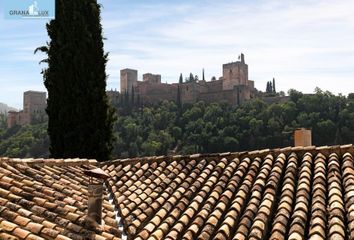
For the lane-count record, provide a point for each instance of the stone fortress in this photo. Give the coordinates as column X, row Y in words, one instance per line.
column 34, row 105
column 233, row 87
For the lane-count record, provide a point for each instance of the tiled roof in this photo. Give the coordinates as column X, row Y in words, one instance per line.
column 47, row 199
column 290, row 193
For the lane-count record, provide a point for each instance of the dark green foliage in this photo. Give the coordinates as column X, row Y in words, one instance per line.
column 218, row 127
column 213, row 127
column 274, row 91
column 80, row 119
column 179, row 101
column 3, row 121
column 27, row 141
column 191, row 77
column 270, row 89
column 180, row 78
column 133, row 97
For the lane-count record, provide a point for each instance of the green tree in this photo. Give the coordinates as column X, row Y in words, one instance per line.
column 274, row 91
column 191, row 77
column 179, row 100
column 180, row 78
column 294, row 95
column 3, row 121
column 267, row 88
column 80, row 119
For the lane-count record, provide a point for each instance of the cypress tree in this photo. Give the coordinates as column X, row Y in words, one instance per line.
column 179, row 100
column 80, row 118
column 203, row 75
column 133, row 100
column 127, row 102
column 180, row 78
column 138, row 100
column 274, row 86
column 191, row 77
column 267, row 88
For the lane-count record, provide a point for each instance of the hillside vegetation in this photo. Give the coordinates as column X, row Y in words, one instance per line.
column 201, row 127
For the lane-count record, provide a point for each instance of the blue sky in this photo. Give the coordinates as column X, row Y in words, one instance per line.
column 303, row 44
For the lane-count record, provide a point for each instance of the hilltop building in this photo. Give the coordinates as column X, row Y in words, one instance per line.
column 233, row 86
column 34, row 105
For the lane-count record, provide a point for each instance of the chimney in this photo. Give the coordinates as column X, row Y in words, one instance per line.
column 302, row 137
column 95, row 192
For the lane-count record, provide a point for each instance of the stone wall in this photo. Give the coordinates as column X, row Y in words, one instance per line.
column 18, row 118
column 227, row 95
column 151, row 93
column 113, row 97
column 277, row 99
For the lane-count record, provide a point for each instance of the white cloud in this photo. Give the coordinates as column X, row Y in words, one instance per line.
column 303, row 44
column 304, row 40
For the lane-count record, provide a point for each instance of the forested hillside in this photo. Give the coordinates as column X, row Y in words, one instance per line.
column 27, row 141
column 168, row 128
column 219, row 127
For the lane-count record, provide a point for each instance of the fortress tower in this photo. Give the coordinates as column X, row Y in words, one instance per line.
column 235, row 74
column 34, row 101
column 128, row 80
column 34, row 105
column 152, row 78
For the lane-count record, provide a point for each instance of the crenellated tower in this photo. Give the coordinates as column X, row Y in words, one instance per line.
column 235, row 73
column 128, row 80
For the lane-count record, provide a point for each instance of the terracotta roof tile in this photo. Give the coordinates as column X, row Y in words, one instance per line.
column 290, row 193
column 276, row 194
column 7, row 226
column 21, row 233
column 40, row 201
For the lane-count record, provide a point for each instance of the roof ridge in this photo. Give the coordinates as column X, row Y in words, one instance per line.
column 49, row 162
column 326, row 150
